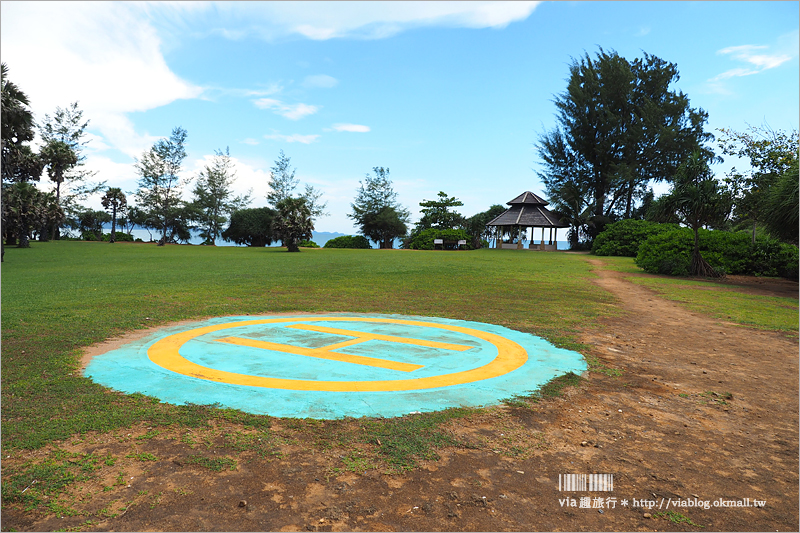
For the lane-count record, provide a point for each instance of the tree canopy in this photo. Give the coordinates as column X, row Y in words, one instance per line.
column 115, row 200
column 376, row 211
column 19, row 162
column 213, row 196
column 293, row 222
column 251, row 227
column 767, row 192
column 159, row 180
column 620, row 126
column 698, row 200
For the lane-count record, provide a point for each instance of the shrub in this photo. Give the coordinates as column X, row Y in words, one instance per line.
column 349, row 241
column 667, row 253
column 732, row 253
column 118, row 237
column 624, row 237
column 424, row 240
column 307, row 244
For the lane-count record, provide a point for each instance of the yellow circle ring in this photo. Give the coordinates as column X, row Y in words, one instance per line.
column 165, row 353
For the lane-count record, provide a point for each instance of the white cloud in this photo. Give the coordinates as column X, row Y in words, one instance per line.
column 251, row 142
column 293, row 138
column 107, row 56
column 361, row 20
column 290, row 111
column 357, row 128
column 320, row 80
column 747, row 54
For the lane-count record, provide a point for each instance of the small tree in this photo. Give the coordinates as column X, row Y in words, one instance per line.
column 251, row 227
column 772, row 155
column 159, row 182
column 437, row 213
column 376, row 210
column 28, row 211
column 282, row 184
column 213, row 196
column 63, row 141
column 476, row 225
column 698, row 200
column 90, row 224
column 114, row 199
column 293, row 222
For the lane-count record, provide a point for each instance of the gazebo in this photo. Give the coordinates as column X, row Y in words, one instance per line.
column 527, row 211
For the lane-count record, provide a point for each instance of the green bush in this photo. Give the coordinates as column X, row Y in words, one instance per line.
column 667, row 253
column 307, row 244
column 118, row 237
column 349, row 241
column 424, row 240
column 732, row 253
column 624, row 237
column 88, row 236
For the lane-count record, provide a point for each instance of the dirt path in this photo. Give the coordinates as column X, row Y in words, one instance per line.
column 702, row 411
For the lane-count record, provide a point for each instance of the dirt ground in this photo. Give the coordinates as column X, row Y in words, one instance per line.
column 703, row 410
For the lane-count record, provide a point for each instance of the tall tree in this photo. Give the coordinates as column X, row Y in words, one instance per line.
column 620, row 126
column 376, row 210
column 293, row 222
column 63, row 139
column 159, row 180
column 282, row 184
column 213, row 196
column 772, row 155
column 698, row 200
column 115, row 200
column 19, row 162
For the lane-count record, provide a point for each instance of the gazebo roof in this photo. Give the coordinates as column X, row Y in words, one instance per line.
column 528, row 210
column 528, row 198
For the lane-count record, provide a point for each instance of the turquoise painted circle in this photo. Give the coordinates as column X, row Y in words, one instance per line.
column 207, row 362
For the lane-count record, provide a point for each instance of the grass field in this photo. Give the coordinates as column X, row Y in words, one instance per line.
column 716, row 299
column 59, row 297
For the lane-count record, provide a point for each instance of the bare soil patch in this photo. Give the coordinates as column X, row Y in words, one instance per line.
column 703, row 410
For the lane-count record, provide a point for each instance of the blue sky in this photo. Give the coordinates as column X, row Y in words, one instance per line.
column 449, row 96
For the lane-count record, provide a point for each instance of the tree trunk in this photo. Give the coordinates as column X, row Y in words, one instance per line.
column 754, row 231
column 112, row 239
column 56, row 233
column 699, row 266
column 24, row 235
column 629, row 202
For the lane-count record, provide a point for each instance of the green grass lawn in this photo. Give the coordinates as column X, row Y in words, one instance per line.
column 59, row 297
column 728, row 303
column 716, row 299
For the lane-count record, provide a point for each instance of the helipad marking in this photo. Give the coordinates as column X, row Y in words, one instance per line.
column 324, row 353
column 510, row 356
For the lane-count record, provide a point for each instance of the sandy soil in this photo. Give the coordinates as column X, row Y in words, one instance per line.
column 703, row 410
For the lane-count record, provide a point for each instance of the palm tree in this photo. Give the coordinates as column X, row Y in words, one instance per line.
column 19, row 211
column 569, row 201
column 114, row 199
column 293, row 222
column 698, row 200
